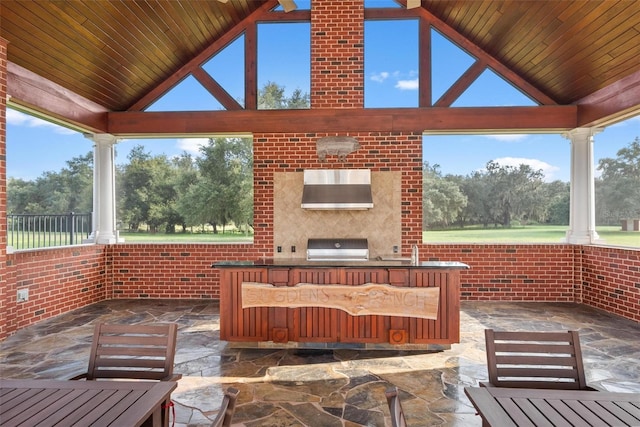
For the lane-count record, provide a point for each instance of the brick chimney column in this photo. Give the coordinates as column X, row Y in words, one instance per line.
column 337, row 54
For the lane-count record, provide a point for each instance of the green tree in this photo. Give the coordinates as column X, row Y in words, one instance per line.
column 442, row 198
column 70, row 190
column 272, row 97
column 514, row 192
column 557, row 201
column 223, row 190
column 148, row 193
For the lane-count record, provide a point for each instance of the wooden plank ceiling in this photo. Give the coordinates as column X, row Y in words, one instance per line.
column 114, row 53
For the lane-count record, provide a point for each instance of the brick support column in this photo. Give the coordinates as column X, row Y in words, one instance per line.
column 337, row 54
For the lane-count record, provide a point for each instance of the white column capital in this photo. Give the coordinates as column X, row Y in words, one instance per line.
column 102, row 138
column 581, row 133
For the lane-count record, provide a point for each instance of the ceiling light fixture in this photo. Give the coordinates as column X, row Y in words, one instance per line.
column 288, row 5
column 412, row 4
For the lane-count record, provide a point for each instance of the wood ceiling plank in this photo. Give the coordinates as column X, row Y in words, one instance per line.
column 529, row 38
column 584, row 30
column 130, row 27
column 78, row 23
column 484, row 16
column 59, row 64
column 591, row 59
column 153, row 32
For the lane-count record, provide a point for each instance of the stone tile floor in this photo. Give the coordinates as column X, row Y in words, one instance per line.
column 325, row 388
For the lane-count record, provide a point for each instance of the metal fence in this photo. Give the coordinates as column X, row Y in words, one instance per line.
column 28, row 231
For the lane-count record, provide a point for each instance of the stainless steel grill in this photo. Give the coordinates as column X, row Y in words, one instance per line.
column 337, row 250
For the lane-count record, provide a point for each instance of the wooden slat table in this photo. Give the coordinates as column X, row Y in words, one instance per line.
column 82, row 403
column 523, row 407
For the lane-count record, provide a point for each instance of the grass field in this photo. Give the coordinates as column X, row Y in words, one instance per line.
column 610, row 235
column 186, row 238
column 529, row 234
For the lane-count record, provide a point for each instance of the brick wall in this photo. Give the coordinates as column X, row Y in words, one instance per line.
column 378, row 152
column 170, row 271
column 611, row 280
column 58, row 281
column 512, row 272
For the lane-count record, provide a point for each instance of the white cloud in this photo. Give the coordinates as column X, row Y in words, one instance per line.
column 192, row 145
column 547, row 169
column 407, row 84
column 16, row 118
column 507, row 137
column 380, row 77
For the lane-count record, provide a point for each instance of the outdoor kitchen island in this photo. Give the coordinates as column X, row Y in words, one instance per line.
column 376, row 304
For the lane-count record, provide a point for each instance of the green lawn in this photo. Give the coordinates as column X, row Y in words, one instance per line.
column 186, row 238
column 530, row 234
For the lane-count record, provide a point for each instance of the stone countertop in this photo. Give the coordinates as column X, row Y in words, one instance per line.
column 373, row 263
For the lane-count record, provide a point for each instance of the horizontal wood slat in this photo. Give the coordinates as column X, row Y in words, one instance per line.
column 535, row 359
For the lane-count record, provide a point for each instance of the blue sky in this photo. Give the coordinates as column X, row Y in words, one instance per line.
column 35, row 146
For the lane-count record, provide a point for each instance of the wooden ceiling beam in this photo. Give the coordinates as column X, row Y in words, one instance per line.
column 51, row 101
column 455, row 120
column 611, row 104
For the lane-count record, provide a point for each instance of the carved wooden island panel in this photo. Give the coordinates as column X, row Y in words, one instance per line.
column 320, row 324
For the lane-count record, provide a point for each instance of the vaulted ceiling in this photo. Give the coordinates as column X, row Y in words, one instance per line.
column 77, row 60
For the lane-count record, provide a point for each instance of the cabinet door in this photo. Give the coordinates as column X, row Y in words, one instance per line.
column 314, row 324
column 446, row 328
column 237, row 323
column 366, row 328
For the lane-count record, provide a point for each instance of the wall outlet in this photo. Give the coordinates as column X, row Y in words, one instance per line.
column 23, row 295
column 395, row 249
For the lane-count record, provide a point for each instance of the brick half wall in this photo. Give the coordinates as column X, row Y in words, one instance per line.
column 611, row 280
column 58, row 281
column 512, row 272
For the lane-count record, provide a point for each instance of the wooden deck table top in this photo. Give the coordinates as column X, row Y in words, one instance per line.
column 504, row 407
column 32, row 402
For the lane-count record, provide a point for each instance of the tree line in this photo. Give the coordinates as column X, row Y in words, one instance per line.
column 157, row 192
column 501, row 195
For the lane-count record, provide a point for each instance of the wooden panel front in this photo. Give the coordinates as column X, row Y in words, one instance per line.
column 236, row 323
column 446, row 328
column 318, row 324
column 368, row 328
column 279, row 316
column 314, row 324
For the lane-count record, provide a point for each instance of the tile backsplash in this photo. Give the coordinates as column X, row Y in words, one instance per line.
column 293, row 225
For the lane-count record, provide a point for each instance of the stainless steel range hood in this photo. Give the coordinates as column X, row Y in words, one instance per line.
column 337, row 189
